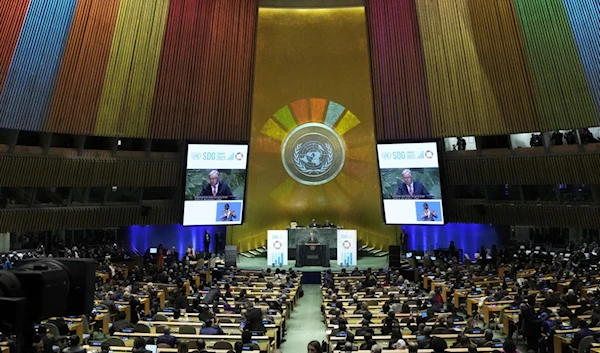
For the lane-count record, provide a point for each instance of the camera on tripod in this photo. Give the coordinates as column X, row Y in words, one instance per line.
column 37, row 289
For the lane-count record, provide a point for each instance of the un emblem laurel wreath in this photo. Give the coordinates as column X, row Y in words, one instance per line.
column 303, row 168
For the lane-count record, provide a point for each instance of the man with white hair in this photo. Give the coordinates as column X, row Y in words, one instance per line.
column 410, row 188
column 215, row 189
column 375, row 349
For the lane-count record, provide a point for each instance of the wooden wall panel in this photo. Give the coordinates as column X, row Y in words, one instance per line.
column 205, row 76
column 521, row 170
column 59, row 218
column 531, row 215
column 30, row 171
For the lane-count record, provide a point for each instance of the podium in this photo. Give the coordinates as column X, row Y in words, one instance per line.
column 301, row 236
column 312, row 254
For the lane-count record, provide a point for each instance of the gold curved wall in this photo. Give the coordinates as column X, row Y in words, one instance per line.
column 312, row 65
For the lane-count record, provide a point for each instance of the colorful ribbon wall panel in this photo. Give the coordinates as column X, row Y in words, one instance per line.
column 205, row 78
column 400, row 96
column 27, row 91
column 184, row 68
column 133, row 68
column 13, row 14
column 490, row 67
column 81, row 78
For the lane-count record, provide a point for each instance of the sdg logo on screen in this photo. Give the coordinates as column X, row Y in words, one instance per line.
column 408, row 155
column 217, row 156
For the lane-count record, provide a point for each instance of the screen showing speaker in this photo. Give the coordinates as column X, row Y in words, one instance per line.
column 411, row 183
column 215, row 184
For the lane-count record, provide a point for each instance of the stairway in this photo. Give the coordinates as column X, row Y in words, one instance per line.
column 365, row 250
column 258, row 252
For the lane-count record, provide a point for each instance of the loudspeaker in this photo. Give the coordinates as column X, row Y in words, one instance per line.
column 231, row 255
column 394, row 256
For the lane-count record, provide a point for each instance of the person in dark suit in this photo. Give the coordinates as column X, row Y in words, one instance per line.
column 210, row 329
column 254, row 319
column 531, row 323
column 201, row 346
column 328, row 224
column 139, row 346
column 120, row 323
column 410, row 188
column 215, row 189
column 206, row 242
column 312, row 239
column 167, row 338
column 74, row 346
column 584, row 331
column 313, row 224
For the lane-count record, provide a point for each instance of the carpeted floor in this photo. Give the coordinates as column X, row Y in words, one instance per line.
column 259, row 263
column 306, row 321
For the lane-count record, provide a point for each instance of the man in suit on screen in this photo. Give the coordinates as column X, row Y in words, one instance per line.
column 215, row 188
column 312, row 239
column 410, row 188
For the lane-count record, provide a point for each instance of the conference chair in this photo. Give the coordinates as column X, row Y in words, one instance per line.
column 142, row 328
column 86, row 328
column 159, row 317
column 52, row 329
column 223, row 345
column 584, row 345
column 115, row 341
column 187, row 329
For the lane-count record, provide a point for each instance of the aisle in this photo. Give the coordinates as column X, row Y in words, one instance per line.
column 306, row 321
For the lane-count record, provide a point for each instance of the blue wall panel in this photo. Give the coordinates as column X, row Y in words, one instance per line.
column 31, row 80
column 141, row 238
column 584, row 16
column 468, row 237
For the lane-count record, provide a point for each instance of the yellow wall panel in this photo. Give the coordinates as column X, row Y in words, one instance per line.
column 321, row 55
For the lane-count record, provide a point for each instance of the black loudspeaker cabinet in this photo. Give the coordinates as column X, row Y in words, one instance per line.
column 394, row 256
column 231, row 256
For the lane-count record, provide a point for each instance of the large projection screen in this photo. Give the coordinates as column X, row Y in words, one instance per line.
column 215, row 184
column 411, row 183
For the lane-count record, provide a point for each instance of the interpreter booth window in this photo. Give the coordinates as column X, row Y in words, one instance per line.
column 559, row 139
column 123, row 195
column 575, row 193
column 98, row 143
column 590, row 139
column 460, row 143
column 96, row 196
column 27, row 138
column 527, row 140
column 15, row 197
column 51, row 197
column 63, row 141
column 158, row 193
column 475, row 192
column 540, row 193
column 504, row 193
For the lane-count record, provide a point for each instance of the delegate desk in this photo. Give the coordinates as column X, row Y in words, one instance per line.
column 95, row 347
column 312, row 254
column 210, row 340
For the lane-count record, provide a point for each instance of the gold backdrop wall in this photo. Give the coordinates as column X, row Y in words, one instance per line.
column 312, row 66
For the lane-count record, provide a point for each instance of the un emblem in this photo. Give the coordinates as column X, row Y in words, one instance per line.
column 313, row 154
